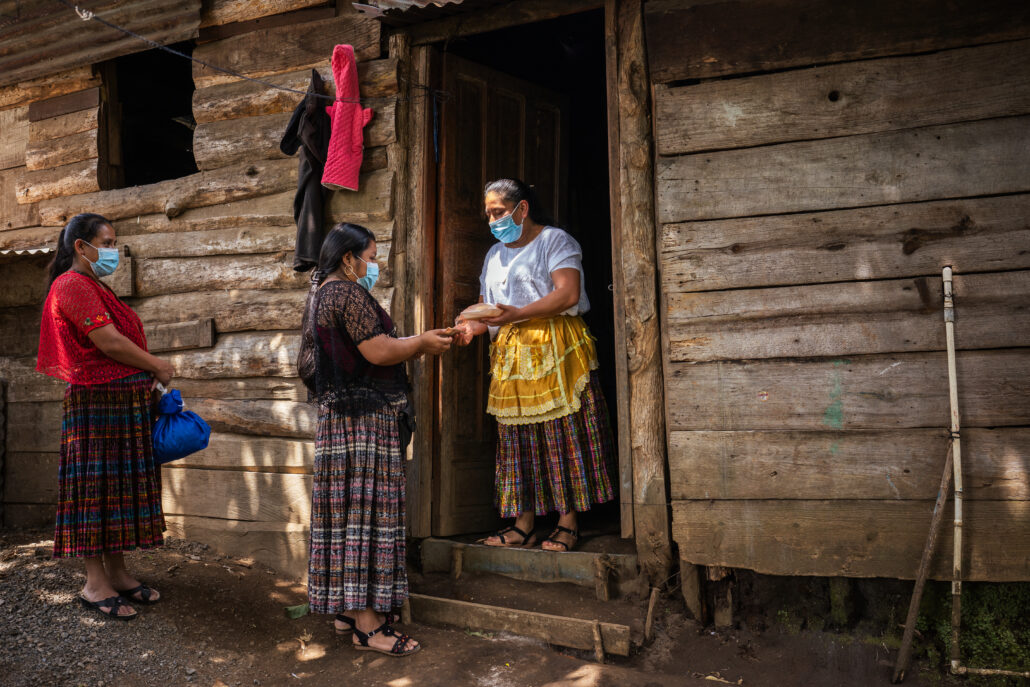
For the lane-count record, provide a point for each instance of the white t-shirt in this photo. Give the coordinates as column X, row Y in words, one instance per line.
column 519, row 276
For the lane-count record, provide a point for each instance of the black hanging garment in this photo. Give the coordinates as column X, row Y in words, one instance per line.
column 308, row 131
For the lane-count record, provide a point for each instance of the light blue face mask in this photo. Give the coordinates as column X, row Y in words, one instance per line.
column 107, row 260
column 505, row 230
column 371, row 275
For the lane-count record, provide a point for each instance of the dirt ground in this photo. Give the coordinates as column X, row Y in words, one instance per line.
column 222, row 623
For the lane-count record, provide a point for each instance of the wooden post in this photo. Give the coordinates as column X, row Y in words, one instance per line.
column 417, row 284
column 634, row 250
column 690, row 584
column 602, row 576
column 397, row 162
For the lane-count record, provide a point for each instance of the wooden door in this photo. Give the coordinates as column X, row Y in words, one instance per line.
column 491, row 125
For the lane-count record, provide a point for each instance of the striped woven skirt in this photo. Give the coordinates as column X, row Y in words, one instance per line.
column 109, row 489
column 358, row 550
column 557, row 465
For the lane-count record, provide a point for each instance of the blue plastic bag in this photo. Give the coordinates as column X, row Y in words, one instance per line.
column 177, row 432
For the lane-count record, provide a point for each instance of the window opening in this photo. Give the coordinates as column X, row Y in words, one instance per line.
column 147, row 116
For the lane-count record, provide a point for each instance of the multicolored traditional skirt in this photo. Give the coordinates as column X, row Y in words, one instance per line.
column 555, row 448
column 109, row 489
column 358, row 550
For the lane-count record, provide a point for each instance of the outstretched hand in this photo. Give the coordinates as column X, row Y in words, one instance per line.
column 436, row 341
column 509, row 314
column 467, row 330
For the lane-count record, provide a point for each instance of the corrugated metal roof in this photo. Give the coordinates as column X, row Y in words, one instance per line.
column 26, row 251
column 405, row 12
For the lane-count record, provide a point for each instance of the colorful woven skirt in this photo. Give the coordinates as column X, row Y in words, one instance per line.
column 358, row 550
column 555, row 448
column 109, row 489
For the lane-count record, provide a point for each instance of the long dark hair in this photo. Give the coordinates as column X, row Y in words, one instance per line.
column 83, row 226
column 342, row 239
column 516, row 191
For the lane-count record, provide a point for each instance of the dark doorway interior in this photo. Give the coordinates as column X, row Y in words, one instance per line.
column 149, row 117
column 567, row 55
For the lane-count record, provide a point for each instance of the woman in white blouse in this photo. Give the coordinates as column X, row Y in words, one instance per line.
column 555, row 443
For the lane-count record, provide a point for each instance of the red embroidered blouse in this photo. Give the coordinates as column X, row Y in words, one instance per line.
column 75, row 306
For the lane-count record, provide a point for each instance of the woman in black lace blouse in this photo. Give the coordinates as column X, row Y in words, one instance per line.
column 357, row 559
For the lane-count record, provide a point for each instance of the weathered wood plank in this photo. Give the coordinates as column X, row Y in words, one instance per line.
column 286, row 48
column 64, row 125
column 218, row 12
column 376, row 79
column 25, row 281
column 281, row 546
column 175, row 196
column 123, row 280
column 63, row 104
column 57, row 183
column 553, row 629
column 233, row 309
column 845, row 99
column 24, row 384
column 275, row 210
column 180, row 335
column 62, row 151
column 874, row 169
column 161, row 276
column 249, row 388
column 852, row 538
column 31, row 477
column 499, row 17
column 243, row 451
column 234, row 241
column 19, row 330
column 971, row 235
column 263, row 354
column 219, row 144
column 698, row 40
column 264, row 418
column 847, row 319
column 862, row 392
column 34, row 427
column 235, row 495
column 15, row 125
column 15, row 215
column 853, row 464
column 70, row 81
column 372, row 201
column 236, row 28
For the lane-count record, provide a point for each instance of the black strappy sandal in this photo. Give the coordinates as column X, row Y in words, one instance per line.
column 558, row 530
column 396, row 651
column 527, row 539
column 143, row 590
column 391, row 618
column 111, row 602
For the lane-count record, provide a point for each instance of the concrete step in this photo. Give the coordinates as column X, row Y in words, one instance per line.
column 609, row 574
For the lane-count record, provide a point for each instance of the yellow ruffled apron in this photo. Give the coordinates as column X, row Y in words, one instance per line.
column 539, row 369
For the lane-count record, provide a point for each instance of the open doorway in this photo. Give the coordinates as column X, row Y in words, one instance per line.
column 527, row 101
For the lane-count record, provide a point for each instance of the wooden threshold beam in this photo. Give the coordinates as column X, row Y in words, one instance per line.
column 553, row 629
column 512, row 14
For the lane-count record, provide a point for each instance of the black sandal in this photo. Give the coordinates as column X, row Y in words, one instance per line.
column 558, row 530
column 396, row 651
column 143, row 590
column 111, row 602
column 527, row 539
column 391, row 618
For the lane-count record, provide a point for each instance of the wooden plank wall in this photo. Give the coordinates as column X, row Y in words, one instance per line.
column 211, row 272
column 818, row 164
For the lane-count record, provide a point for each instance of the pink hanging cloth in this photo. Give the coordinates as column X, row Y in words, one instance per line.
column 346, row 140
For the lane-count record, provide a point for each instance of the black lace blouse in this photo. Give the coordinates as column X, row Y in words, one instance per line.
column 345, row 315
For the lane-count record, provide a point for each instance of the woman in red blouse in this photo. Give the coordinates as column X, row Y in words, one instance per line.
column 109, row 487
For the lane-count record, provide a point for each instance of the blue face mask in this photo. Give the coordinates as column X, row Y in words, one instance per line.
column 371, row 275
column 505, row 230
column 107, row 260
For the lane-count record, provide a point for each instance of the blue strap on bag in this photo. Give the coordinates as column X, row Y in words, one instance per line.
column 177, row 432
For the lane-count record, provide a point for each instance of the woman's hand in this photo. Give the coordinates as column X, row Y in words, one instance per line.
column 435, row 341
column 164, row 372
column 509, row 314
column 468, row 330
